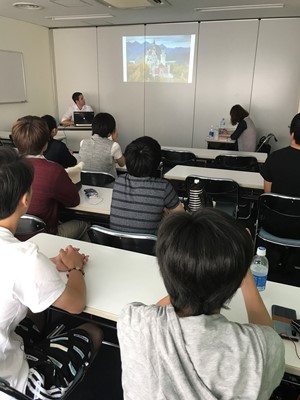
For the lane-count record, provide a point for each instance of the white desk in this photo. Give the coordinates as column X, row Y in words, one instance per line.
column 89, row 206
column 113, row 277
column 116, row 277
column 73, row 135
column 211, row 154
column 251, row 180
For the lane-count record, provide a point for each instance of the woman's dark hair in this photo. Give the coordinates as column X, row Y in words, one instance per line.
column 295, row 128
column 237, row 113
column 30, row 134
column 50, row 121
column 143, row 156
column 103, row 124
column 16, row 176
column 203, row 258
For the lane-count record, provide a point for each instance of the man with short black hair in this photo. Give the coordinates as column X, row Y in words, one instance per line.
column 139, row 198
column 281, row 170
column 183, row 347
column 42, row 368
column 79, row 100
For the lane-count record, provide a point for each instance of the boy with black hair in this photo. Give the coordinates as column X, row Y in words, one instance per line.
column 102, row 151
column 139, row 198
column 29, row 284
column 183, row 348
column 56, row 150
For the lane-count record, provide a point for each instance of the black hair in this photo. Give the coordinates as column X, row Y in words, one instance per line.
column 203, row 258
column 16, row 176
column 75, row 96
column 50, row 121
column 143, row 156
column 103, row 124
column 295, row 128
column 237, row 114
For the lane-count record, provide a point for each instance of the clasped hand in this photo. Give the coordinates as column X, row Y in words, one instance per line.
column 69, row 258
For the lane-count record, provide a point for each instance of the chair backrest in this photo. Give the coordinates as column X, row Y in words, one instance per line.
column 263, row 145
column 170, row 158
column 6, row 142
column 94, row 178
column 29, row 225
column 234, row 162
column 224, row 192
column 138, row 242
column 279, row 215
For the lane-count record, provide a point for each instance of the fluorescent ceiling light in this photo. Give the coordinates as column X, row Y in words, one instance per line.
column 75, row 17
column 27, row 6
column 240, row 7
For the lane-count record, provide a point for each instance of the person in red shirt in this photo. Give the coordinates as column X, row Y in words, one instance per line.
column 52, row 188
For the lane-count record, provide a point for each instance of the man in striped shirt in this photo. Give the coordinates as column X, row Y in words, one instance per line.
column 139, row 199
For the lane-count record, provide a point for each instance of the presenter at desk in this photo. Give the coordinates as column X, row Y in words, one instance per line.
column 79, row 100
column 245, row 132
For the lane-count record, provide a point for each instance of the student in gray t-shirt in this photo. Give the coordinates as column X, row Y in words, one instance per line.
column 183, row 348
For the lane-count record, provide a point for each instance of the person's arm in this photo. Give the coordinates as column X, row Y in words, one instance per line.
column 73, row 298
column 67, row 117
column 256, row 310
column 65, row 192
column 242, row 126
column 67, row 158
column 121, row 161
column 267, row 186
column 116, row 151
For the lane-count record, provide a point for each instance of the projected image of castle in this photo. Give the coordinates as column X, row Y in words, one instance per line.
column 158, row 58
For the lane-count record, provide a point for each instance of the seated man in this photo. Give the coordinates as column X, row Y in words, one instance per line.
column 183, row 348
column 79, row 100
column 52, row 188
column 102, row 151
column 139, row 200
column 281, row 171
column 30, row 284
column 56, row 150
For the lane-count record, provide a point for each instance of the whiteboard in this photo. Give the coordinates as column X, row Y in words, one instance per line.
column 12, row 77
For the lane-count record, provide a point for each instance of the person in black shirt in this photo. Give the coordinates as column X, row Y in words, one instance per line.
column 57, row 151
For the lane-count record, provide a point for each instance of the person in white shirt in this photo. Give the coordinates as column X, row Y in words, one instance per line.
column 79, row 100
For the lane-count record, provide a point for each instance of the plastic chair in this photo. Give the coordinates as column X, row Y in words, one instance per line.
column 137, row 242
column 29, row 225
column 263, row 145
column 94, row 178
column 238, row 163
column 278, row 220
column 223, row 192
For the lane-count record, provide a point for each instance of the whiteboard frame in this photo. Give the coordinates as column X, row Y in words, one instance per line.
column 21, row 94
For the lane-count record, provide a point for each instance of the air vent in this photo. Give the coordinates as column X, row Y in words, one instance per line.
column 133, row 4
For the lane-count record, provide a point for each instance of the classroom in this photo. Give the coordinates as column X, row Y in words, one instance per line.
column 240, row 53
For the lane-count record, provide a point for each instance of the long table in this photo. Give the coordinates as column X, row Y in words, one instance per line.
column 211, row 154
column 252, row 180
column 116, row 277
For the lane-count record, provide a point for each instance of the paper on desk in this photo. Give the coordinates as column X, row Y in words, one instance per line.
column 74, row 172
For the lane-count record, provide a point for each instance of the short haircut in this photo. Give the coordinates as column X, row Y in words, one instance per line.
column 237, row 113
column 143, row 157
column 295, row 128
column 75, row 96
column 50, row 121
column 103, row 124
column 16, row 176
column 203, row 258
column 30, row 134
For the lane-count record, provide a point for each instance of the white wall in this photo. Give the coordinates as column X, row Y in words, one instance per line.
column 33, row 42
column 254, row 63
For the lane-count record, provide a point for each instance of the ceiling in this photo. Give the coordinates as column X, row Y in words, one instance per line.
column 124, row 12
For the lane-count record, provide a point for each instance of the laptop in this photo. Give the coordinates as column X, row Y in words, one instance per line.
column 83, row 118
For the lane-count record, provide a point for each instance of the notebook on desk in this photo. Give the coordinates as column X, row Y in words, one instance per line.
column 83, row 118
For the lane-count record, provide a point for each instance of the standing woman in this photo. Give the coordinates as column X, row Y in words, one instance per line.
column 245, row 132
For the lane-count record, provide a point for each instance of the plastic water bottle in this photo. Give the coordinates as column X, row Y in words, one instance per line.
column 222, row 124
column 259, row 268
column 216, row 133
column 211, row 132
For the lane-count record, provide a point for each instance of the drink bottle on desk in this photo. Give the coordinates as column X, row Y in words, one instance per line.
column 222, row 129
column 216, row 133
column 259, row 268
column 211, row 132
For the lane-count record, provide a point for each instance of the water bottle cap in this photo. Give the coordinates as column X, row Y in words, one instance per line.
column 261, row 251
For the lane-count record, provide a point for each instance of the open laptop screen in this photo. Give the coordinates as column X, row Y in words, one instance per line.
column 83, row 118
